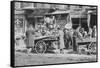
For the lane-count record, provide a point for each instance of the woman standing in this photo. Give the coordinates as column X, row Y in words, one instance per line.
column 61, row 40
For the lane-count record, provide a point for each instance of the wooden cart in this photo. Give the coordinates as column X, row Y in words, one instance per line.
column 87, row 45
column 43, row 43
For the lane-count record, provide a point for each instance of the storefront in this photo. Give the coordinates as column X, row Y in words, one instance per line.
column 35, row 16
column 79, row 18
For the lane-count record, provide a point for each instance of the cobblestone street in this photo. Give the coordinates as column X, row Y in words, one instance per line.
column 22, row 59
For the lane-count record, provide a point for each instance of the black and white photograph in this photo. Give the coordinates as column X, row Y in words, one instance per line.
column 53, row 33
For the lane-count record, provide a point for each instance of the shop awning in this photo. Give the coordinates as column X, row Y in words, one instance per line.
column 37, row 12
column 58, row 12
column 92, row 12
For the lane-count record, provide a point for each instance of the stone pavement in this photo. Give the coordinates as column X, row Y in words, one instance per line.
column 40, row 59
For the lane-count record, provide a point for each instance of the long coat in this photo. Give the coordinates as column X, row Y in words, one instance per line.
column 30, row 38
column 68, row 38
column 61, row 39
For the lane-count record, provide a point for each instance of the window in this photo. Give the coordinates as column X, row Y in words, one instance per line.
column 75, row 22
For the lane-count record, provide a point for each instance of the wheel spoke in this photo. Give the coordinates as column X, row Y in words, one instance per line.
column 92, row 47
column 40, row 47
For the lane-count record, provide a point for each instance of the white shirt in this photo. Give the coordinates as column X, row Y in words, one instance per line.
column 68, row 25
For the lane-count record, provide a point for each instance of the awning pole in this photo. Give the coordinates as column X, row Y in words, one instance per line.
column 88, row 20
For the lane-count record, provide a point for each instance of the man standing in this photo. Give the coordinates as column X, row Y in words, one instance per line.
column 30, row 38
column 68, row 35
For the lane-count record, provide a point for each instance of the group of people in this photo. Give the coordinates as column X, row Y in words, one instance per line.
column 67, row 35
column 90, row 33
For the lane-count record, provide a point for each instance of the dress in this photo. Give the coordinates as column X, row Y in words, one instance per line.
column 61, row 39
column 30, row 37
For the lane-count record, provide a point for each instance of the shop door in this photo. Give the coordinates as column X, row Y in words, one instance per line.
column 93, row 20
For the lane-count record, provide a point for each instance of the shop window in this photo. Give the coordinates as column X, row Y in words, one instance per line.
column 93, row 20
column 80, row 22
column 75, row 22
column 84, row 24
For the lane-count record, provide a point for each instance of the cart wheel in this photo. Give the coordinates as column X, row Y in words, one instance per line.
column 92, row 47
column 40, row 47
